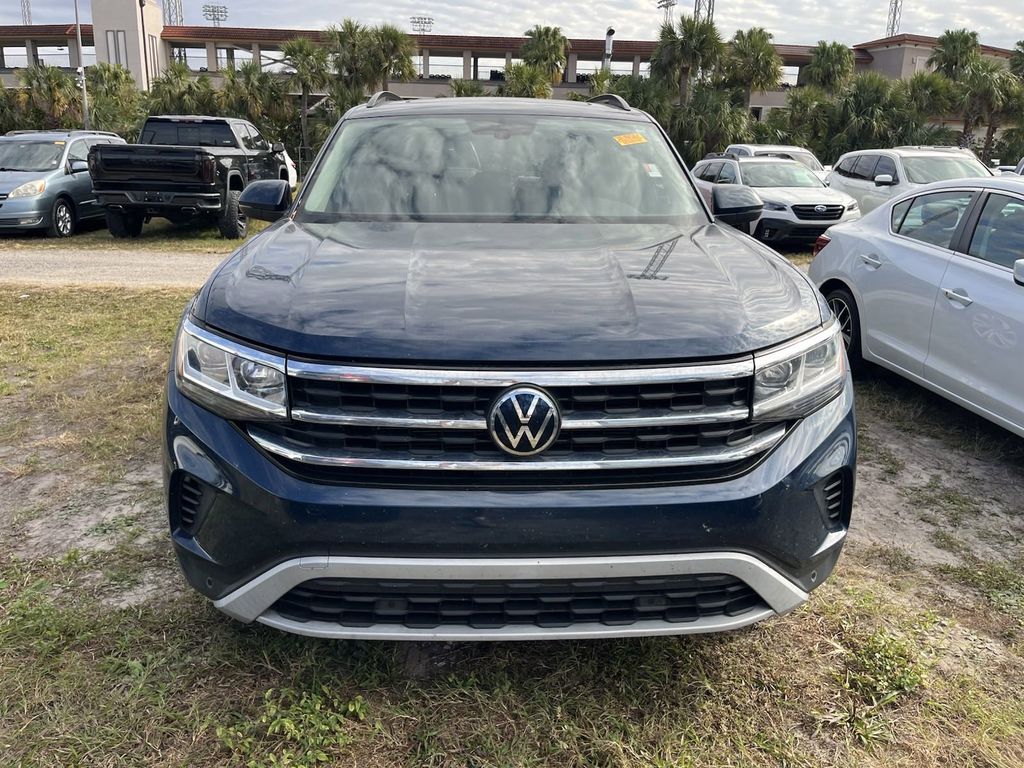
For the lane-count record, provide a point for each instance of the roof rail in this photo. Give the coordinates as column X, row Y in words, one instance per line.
column 720, row 156
column 610, row 100
column 382, row 96
column 69, row 131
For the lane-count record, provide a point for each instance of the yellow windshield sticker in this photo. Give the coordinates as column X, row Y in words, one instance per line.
column 626, row 139
column 60, row 143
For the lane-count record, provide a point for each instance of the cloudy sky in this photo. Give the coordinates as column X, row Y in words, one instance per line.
column 999, row 22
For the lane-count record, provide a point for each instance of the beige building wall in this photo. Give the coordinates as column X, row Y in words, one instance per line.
column 129, row 35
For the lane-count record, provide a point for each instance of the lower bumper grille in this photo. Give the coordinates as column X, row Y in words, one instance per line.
column 489, row 605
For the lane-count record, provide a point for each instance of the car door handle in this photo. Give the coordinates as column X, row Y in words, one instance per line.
column 958, row 295
column 872, row 261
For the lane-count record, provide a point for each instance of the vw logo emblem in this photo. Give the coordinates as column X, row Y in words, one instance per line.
column 523, row 421
column 820, row 209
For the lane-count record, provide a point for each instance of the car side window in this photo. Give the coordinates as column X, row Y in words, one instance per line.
column 999, row 236
column 934, row 218
column 865, row 167
column 886, row 165
column 710, row 172
column 728, row 174
column 244, row 137
column 844, row 166
column 899, row 212
column 79, row 150
column 258, row 142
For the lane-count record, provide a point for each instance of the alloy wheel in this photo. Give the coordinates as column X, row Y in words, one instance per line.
column 63, row 219
column 845, row 317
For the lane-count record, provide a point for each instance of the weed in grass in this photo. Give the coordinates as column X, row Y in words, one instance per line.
column 296, row 728
column 957, row 507
column 871, row 450
column 878, row 670
column 947, row 541
column 1002, row 585
column 895, row 558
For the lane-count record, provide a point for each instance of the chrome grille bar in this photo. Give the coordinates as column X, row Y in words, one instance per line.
column 578, row 462
column 472, row 421
column 538, row 377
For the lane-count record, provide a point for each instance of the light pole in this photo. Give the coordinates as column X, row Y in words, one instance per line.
column 606, row 64
column 81, row 71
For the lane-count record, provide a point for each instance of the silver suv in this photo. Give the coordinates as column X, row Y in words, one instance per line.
column 44, row 179
column 873, row 176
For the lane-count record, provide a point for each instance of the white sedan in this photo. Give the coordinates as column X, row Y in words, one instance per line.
column 931, row 286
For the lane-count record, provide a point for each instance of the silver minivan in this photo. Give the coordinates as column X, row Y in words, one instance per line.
column 45, row 182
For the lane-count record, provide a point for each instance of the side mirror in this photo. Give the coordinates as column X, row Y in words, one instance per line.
column 735, row 205
column 77, row 166
column 884, row 180
column 277, row 146
column 266, row 200
column 1018, row 271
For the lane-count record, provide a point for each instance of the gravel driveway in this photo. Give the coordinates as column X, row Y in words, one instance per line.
column 129, row 268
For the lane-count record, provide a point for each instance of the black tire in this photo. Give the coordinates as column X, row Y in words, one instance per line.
column 124, row 224
column 62, row 218
column 844, row 307
column 233, row 224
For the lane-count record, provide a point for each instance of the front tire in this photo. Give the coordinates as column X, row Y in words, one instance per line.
column 844, row 307
column 123, row 224
column 62, row 218
column 233, row 224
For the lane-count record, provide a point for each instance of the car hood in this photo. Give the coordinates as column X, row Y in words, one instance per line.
column 507, row 292
column 804, row 195
column 12, row 179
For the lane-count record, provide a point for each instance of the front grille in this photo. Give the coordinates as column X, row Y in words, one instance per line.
column 380, row 426
column 543, row 603
column 807, row 212
column 631, row 399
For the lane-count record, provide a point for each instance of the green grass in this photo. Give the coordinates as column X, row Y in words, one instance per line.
column 158, row 236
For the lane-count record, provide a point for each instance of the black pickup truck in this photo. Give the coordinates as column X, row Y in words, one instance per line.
column 183, row 167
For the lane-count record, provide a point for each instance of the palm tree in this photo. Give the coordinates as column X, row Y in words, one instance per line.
column 115, row 102
column 710, row 122
column 830, row 67
column 465, row 88
column 652, row 95
column 954, row 51
column 53, row 94
column 252, row 92
column 309, row 72
column 387, row 55
column 177, row 91
column 1017, row 60
column 864, row 116
column 809, row 111
column 986, row 91
column 345, row 45
column 683, row 52
column 525, row 81
column 545, row 49
column 753, row 62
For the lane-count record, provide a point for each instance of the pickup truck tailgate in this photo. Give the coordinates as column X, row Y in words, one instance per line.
column 140, row 166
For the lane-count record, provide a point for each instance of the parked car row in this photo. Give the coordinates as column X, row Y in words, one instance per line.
column 183, row 168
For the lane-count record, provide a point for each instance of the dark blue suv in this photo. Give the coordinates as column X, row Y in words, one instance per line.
column 498, row 373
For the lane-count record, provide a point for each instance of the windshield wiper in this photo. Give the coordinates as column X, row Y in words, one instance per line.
column 12, row 169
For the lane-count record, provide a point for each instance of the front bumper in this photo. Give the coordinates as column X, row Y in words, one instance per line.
column 262, row 532
column 25, row 213
column 777, row 230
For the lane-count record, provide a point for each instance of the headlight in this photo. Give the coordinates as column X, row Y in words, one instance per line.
column 796, row 379
column 28, row 189
column 235, row 381
column 852, row 206
column 771, row 206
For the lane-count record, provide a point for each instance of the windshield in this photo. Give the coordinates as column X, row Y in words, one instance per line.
column 924, row 170
column 804, row 158
column 187, row 134
column 782, row 174
column 19, row 155
column 499, row 168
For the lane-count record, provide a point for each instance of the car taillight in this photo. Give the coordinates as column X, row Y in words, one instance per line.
column 820, row 243
column 209, row 170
